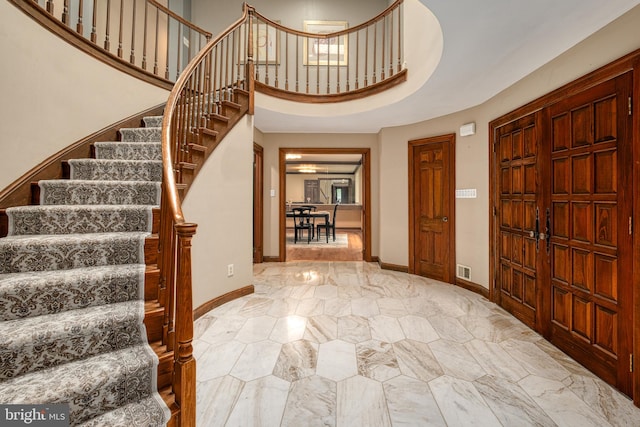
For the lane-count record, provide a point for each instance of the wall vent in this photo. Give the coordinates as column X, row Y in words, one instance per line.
column 464, row 272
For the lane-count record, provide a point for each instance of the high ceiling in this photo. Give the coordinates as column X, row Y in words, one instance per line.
column 488, row 46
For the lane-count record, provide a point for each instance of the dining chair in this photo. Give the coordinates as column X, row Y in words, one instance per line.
column 329, row 225
column 302, row 220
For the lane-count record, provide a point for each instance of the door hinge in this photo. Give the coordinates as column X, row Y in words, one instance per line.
column 629, row 105
column 495, row 211
column 630, row 226
column 631, row 362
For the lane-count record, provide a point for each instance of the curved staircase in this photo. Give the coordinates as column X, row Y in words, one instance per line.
column 76, row 318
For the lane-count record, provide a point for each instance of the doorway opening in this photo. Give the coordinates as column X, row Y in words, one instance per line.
column 335, row 184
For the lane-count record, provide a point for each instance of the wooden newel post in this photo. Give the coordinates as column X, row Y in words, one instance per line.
column 184, row 382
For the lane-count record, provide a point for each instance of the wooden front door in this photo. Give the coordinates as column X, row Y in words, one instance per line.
column 431, row 178
column 518, row 218
column 591, row 243
column 563, row 194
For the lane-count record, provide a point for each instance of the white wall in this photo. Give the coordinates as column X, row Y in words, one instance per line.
column 220, row 201
column 472, row 153
column 53, row 94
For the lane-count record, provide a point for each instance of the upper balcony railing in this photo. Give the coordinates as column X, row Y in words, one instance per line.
column 328, row 62
column 140, row 33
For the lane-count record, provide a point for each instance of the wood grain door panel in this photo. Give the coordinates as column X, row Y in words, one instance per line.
column 516, row 151
column 590, row 247
column 431, row 235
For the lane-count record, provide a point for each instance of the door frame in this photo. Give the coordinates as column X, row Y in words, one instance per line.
column 450, row 140
column 630, row 62
column 258, row 204
column 366, row 194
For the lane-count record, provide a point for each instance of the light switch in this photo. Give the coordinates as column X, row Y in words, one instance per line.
column 273, row 193
column 466, row 193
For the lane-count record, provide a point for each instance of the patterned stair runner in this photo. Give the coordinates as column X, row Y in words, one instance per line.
column 72, row 273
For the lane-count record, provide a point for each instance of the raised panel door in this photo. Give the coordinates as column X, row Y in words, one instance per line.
column 590, row 252
column 516, row 152
column 432, row 208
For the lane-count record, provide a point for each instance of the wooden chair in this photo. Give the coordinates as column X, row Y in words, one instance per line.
column 329, row 225
column 302, row 220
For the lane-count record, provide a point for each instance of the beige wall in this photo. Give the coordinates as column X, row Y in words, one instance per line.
column 272, row 143
column 220, row 201
column 472, row 153
column 53, row 94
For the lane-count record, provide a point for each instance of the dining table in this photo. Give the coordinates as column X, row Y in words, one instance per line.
column 313, row 214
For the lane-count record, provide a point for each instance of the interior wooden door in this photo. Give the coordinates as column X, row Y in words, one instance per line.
column 432, row 252
column 520, row 259
column 590, row 216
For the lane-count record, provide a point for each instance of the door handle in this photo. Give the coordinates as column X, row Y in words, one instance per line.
column 547, row 231
column 546, row 235
column 536, row 234
column 445, row 219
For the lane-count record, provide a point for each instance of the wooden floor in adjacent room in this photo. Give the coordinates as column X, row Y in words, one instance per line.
column 302, row 252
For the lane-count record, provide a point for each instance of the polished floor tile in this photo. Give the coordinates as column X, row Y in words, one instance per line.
column 347, row 344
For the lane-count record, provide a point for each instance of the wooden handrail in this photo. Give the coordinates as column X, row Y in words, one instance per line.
column 200, row 93
column 389, row 10
column 360, row 57
column 225, row 66
column 181, row 19
column 109, row 20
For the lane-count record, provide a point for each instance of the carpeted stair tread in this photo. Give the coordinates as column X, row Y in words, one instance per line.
column 144, row 413
column 128, row 150
column 147, row 134
column 72, row 297
column 42, row 342
column 82, row 192
column 77, row 219
column 91, row 386
column 116, row 170
column 48, row 292
column 153, row 121
column 69, row 251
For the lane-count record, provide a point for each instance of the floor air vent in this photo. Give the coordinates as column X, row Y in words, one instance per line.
column 464, row 272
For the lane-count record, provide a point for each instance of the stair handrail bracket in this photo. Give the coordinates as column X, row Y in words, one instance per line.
column 200, row 95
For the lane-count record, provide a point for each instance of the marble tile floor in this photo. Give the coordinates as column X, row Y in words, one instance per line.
column 348, row 344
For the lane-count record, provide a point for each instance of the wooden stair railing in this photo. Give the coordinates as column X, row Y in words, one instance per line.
column 335, row 66
column 214, row 91
column 140, row 37
column 209, row 97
